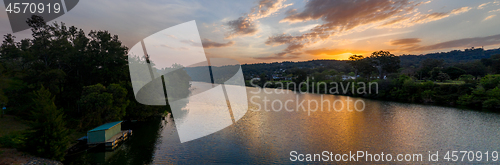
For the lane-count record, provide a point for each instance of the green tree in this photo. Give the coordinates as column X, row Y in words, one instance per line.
column 263, row 79
column 4, row 82
column 475, row 68
column 427, row 96
column 434, row 73
column 490, row 81
column 354, row 60
column 454, row 72
column 49, row 138
column 319, row 76
column 385, row 62
column 361, row 65
column 442, row 77
column 493, row 63
column 64, row 60
column 427, row 66
column 486, row 94
column 99, row 104
column 493, row 98
column 301, row 76
column 467, row 78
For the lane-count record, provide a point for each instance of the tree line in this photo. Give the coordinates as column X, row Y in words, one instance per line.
column 62, row 81
column 473, row 83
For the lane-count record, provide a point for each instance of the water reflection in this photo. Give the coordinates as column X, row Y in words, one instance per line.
column 264, row 137
column 269, row 136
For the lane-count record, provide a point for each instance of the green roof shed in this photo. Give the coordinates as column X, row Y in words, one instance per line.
column 104, row 132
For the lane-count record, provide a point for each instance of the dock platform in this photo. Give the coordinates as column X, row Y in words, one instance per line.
column 113, row 142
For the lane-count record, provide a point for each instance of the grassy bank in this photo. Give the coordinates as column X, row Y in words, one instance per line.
column 12, row 137
column 9, row 124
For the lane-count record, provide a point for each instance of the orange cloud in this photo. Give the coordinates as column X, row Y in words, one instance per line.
column 489, row 17
column 246, row 25
column 212, row 44
column 338, row 16
column 492, row 11
column 395, row 21
column 418, row 18
column 483, row 5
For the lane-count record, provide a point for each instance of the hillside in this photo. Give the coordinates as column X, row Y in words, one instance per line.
column 455, row 56
column 452, row 57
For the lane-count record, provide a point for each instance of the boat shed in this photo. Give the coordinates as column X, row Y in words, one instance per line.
column 104, row 132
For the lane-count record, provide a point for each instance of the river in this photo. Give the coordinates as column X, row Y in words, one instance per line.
column 272, row 134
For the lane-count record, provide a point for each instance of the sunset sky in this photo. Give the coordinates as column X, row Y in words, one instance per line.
column 297, row 30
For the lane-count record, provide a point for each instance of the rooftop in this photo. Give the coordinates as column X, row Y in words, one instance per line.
column 105, row 126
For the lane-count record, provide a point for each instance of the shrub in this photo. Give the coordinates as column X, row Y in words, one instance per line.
column 13, row 140
column 467, row 78
column 490, row 81
column 491, row 103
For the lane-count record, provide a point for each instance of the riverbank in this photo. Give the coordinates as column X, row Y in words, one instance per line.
column 12, row 156
column 9, row 124
column 478, row 94
column 267, row 137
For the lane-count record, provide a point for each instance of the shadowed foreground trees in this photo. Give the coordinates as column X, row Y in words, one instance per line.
column 65, row 60
column 100, row 104
column 49, row 137
column 85, row 75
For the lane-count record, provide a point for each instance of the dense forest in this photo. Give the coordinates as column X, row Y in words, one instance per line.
column 63, row 81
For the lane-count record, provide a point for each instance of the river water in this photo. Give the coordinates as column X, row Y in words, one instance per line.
column 268, row 133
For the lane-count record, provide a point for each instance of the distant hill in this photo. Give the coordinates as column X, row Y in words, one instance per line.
column 452, row 57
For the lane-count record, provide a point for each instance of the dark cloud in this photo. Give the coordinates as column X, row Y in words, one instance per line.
column 212, row 44
column 405, row 41
column 460, row 43
column 291, row 12
column 281, row 39
column 241, row 27
column 347, row 14
column 339, row 15
column 246, row 25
